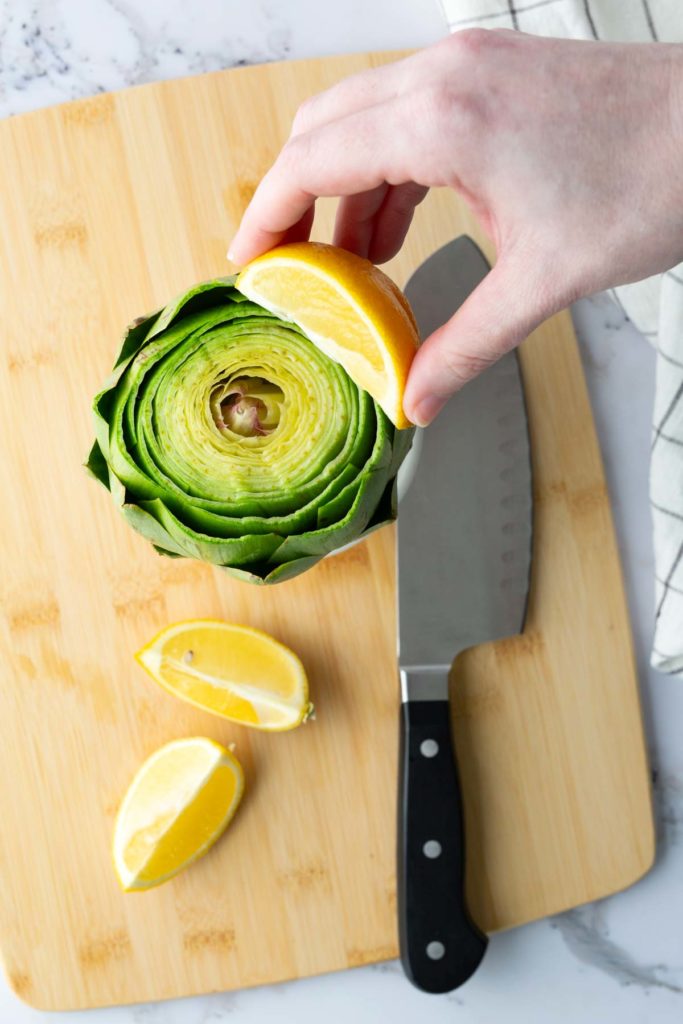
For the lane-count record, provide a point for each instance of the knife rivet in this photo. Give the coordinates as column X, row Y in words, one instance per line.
column 432, row 849
column 436, row 950
column 429, row 748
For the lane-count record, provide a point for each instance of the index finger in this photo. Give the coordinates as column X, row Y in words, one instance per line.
column 340, row 158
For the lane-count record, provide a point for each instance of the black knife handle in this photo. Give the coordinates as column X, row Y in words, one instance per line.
column 441, row 947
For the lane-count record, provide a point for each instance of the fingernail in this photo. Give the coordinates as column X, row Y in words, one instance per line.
column 427, row 410
column 231, row 255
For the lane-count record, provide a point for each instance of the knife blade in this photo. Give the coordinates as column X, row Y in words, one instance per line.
column 464, row 557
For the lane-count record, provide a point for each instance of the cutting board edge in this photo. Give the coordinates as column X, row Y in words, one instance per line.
column 55, row 1006
column 600, row 894
column 25, row 116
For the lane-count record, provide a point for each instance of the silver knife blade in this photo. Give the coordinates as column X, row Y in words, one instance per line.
column 465, row 521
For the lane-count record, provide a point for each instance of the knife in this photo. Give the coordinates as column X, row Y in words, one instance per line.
column 464, row 557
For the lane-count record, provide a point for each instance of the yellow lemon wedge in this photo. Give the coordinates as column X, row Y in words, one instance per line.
column 181, row 800
column 234, row 671
column 349, row 308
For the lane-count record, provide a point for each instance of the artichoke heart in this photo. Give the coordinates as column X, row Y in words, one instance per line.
column 225, row 434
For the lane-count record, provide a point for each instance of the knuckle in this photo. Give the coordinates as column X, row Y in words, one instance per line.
column 288, row 169
column 459, row 106
column 462, row 366
column 472, row 42
column 303, row 118
column 290, row 155
column 442, row 99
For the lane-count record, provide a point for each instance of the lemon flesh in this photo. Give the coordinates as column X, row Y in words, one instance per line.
column 349, row 308
column 179, row 803
column 234, row 671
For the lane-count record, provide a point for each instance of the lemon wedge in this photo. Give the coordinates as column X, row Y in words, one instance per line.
column 234, row 671
column 348, row 308
column 180, row 801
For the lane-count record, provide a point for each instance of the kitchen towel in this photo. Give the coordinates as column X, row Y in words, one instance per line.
column 655, row 305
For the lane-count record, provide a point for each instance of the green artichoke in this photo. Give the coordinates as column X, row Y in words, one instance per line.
column 225, row 434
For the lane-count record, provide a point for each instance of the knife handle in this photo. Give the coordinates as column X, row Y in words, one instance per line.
column 441, row 947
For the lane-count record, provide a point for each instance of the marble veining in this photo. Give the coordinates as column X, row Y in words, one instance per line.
column 617, row 960
column 587, row 936
column 55, row 52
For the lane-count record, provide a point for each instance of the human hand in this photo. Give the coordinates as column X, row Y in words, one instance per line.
column 569, row 154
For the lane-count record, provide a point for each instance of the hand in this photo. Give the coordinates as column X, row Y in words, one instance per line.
column 569, row 154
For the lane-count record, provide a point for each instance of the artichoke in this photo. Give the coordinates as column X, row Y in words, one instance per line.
column 225, row 434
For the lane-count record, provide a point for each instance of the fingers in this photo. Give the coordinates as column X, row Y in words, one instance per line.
column 277, row 209
column 497, row 316
column 355, row 223
column 350, row 96
column 393, row 220
column 342, row 158
column 365, row 89
column 301, row 231
column 374, row 224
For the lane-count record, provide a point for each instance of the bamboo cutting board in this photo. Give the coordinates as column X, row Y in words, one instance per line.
column 109, row 206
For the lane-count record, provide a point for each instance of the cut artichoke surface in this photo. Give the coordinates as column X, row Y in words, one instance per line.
column 225, row 434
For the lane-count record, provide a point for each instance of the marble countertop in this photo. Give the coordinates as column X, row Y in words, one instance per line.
column 617, row 960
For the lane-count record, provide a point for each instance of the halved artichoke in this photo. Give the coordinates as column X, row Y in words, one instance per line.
column 224, row 434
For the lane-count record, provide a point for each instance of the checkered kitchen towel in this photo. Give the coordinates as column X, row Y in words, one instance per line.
column 655, row 306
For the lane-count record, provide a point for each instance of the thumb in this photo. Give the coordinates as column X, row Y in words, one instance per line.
column 505, row 307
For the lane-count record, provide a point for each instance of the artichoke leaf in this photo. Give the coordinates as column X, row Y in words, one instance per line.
column 224, row 434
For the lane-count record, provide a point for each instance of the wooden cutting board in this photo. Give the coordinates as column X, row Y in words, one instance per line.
column 109, row 206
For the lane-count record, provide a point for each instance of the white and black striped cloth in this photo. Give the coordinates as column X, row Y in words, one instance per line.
column 655, row 306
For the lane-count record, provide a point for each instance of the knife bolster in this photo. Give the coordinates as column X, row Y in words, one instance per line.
column 425, row 682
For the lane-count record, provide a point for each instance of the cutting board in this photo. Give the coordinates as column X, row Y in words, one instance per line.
column 108, row 207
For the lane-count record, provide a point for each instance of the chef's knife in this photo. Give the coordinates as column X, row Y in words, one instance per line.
column 464, row 554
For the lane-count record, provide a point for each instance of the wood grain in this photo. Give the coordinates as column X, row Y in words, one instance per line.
column 109, row 206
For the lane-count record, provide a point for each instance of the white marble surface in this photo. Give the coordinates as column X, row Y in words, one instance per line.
column 618, row 960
